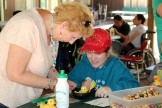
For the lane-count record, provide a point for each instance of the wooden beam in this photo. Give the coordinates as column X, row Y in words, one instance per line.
column 151, row 23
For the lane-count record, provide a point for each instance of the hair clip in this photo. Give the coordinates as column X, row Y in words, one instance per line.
column 86, row 23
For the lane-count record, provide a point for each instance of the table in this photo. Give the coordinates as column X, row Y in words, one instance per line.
column 126, row 12
column 115, row 37
column 79, row 104
column 150, row 68
column 127, row 15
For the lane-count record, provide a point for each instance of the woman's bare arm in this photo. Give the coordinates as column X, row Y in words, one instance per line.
column 18, row 59
column 130, row 38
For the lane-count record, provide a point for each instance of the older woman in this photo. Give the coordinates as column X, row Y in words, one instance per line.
column 28, row 45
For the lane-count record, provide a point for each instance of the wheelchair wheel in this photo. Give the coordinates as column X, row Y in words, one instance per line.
column 136, row 53
column 149, row 61
column 149, row 58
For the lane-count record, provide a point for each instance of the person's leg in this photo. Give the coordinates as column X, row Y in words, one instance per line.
column 127, row 48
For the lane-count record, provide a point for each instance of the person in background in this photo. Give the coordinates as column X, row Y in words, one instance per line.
column 133, row 39
column 68, row 55
column 157, row 12
column 121, row 26
column 95, row 14
column 28, row 45
column 109, row 73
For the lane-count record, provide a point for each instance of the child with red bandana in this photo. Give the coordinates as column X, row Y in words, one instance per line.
column 98, row 64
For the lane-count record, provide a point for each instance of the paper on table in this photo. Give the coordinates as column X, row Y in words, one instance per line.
column 101, row 102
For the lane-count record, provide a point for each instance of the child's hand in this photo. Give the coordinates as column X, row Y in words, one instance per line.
column 116, row 31
column 72, row 85
column 103, row 91
column 87, row 82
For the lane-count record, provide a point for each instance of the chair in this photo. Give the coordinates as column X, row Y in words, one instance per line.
column 137, row 60
column 144, row 36
column 116, row 47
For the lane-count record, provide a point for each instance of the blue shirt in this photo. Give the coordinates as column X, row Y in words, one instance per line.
column 113, row 73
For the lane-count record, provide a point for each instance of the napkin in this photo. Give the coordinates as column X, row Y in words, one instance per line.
column 101, row 102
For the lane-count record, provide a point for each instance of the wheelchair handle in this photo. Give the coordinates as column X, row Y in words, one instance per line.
column 150, row 31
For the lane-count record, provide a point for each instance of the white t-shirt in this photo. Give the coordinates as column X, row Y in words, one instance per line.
column 26, row 30
column 137, row 41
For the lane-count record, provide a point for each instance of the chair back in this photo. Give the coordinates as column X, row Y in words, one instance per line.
column 116, row 47
column 144, row 36
column 144, row 45
column 145, row 42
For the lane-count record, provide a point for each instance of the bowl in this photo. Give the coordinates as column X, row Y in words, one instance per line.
column 79, row 95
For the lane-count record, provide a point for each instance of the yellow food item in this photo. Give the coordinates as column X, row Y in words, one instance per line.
column 156, row 80
column 84, row 89
column 50, row 104
column 93, row 84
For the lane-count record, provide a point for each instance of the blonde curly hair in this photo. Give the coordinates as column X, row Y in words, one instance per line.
column 76, row 14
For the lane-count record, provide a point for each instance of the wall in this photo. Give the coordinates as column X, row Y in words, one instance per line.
column 135, row 3
column 111, row 4
column 0, row 10
column 119, row 4
column 9, row 9
column 13, row 5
